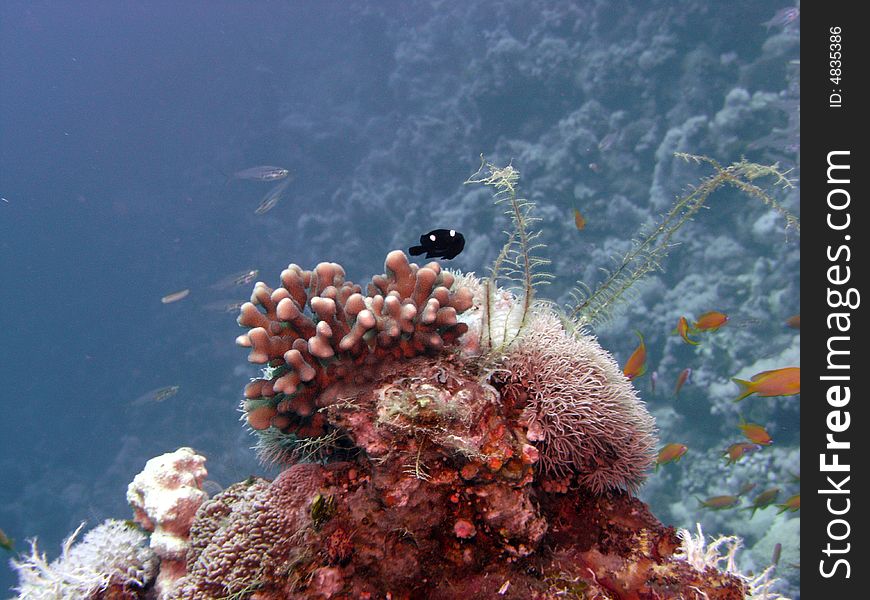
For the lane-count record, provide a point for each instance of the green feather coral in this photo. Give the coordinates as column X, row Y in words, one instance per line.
column 649, row 251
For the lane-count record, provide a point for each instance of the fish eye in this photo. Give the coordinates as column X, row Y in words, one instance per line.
column 452, row 233
column 432, row 237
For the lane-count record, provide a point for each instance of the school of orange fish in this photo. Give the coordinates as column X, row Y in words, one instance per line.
column 785, row 381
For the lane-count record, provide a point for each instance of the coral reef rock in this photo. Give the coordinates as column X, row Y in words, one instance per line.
column 445, row 440
column 366, row 530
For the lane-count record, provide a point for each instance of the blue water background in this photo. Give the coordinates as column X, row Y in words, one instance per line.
column 119, row 121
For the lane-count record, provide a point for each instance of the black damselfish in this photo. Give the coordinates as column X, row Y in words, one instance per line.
column 439, row 243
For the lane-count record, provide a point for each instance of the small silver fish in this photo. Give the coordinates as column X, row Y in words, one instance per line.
column 212, row 488
column 783, row 17
column 236, row 279
column 262, row 173
column 224, row 307
column 271, row 198
column 607, row 141
column 156, row 395
column 175, row 296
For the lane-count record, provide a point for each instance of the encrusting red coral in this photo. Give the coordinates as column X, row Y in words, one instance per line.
column 318, row 532
column 441, row 471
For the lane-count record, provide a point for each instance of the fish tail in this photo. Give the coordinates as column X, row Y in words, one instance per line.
column 227, row 178
column 746, row 388
column 416, row 250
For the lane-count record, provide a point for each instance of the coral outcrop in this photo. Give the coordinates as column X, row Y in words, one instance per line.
column 445, row 467
column 444, row 439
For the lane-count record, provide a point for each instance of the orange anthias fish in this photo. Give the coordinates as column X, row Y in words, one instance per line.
column 793, row 321
column 636, row 365
column 746, row 488
column 763, row 500
column 710, row 321
column 756, row 433
column 682, row 378
column 683, row 330
column 779, row 382
column 671, row 453
column 579, row 221
column 720, row 502
column 793, row 504
column 6, row 542
column 735, row 452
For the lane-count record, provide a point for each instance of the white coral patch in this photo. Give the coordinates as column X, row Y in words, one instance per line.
column 165, row 497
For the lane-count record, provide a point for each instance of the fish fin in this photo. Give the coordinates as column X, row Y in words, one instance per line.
column 745, row 388
column 416, row 250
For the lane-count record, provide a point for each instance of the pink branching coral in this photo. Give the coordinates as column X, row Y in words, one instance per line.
column 316, row 328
